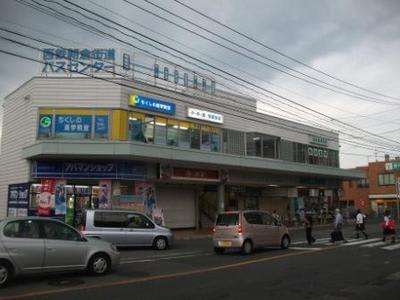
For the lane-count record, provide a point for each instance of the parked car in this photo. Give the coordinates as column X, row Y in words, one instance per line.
column 126, row 229
column 247, row 230
column 39, row 245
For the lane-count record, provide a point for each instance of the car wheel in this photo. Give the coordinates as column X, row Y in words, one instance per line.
column 160, row 243
column 247, row 247
column 99, row 264
column 5, row 273
column 285, row 242
column 219, row 250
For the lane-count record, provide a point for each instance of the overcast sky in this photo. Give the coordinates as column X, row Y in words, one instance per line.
column 356, row 41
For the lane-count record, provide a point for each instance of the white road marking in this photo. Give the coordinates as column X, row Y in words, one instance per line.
column 304, row 248
column 162, row 258
column 318, row 241
column 357, row 242
column 374, row 245
column 392, row 247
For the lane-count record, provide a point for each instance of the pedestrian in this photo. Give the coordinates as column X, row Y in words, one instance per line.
column 337, row 234
column 308, row 223
column 360, row 224
column 389, row 227
column 276, row 215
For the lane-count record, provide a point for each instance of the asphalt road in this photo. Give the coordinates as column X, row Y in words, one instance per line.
column 359, row 269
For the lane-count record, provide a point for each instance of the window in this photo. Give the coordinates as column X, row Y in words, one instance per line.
column 386, row 179
column 172, row 133
column 227, row 219
column 136, row 132
column 253, row 144
column 194, row 136
column 148, row 129
column 139, row 221
column 27, row 229
column 59, row 231
column 205, row 138
column 184, row 135
column 363, row 183
column 299, row 153
column 215, row 140
column 110, row 219
column 253, row 218
column 268, row 220
column 160, row 132
column 269, row 147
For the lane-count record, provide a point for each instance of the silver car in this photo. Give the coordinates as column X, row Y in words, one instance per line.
column 126, row 228
column 38, row 245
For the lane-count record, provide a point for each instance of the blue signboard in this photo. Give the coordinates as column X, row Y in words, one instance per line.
column 101, row 124
column 18, row 199
column 73, row 124
column 152, row 104
column 88, row 169
column 45, row 125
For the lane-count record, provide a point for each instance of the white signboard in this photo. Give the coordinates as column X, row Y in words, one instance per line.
column 205, row 115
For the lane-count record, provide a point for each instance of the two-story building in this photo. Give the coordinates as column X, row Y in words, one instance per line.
column 72, row 143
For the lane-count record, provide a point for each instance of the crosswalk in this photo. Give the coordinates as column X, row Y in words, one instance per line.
column 362, row 243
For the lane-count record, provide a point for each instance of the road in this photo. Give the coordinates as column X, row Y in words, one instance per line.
column 359, row 269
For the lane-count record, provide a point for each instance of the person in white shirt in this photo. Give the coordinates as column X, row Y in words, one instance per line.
column 337, row 234
column 360, row 224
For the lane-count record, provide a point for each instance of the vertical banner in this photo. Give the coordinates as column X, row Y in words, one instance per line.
column 105, row 194
column 146, row 191
column 18, row 199
column 60, row 198
column 45, row 198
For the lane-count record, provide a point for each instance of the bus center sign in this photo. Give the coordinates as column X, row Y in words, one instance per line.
column 121, row 63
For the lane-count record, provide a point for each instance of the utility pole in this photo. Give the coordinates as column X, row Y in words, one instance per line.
column 398, row 198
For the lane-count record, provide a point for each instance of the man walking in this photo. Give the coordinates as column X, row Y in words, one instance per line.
column 308, row 222
column 337, row 234
column 360, row 224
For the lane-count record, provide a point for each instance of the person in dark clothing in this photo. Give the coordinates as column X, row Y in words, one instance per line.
column 308, row 223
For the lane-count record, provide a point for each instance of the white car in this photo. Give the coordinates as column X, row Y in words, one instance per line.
column 39, row 245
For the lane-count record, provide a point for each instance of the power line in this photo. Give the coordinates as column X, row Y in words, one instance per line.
column 169, row 53
column 281, row 53
column 209, row 65
column 346, row 93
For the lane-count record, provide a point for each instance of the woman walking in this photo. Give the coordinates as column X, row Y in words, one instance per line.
column 389, row 227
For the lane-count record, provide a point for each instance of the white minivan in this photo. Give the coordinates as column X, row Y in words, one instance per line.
column 126, row 228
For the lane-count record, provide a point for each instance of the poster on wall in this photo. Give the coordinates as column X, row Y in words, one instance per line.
column 146, row 191
column 18, row 199
column 60, row 197
column 158, row 216
column 46, row 197
column 105, row 194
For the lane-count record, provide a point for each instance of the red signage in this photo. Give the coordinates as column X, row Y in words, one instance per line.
column 45, row 200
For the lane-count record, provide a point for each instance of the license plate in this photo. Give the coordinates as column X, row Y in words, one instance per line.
column 224, row 243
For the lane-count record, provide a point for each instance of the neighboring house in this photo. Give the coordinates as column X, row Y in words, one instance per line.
column 377, row 192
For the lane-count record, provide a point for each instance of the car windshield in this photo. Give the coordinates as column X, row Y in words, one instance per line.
column 228, row 219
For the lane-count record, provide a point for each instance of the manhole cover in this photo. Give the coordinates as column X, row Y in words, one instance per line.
column 65, row 282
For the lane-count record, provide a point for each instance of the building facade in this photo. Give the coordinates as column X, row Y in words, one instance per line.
column 72, row 143
column 377, row 192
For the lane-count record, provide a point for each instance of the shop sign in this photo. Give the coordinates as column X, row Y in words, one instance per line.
column 101, row 124
column 88, row 169
column 316, row 152
column 45, row 197
column 391, row 166
column 18, row 199
column 177, row 173
column 73, row 123
column 61, row 60
column 105, row 194
column 151, row 104
column 318, row 140
column 205, row 115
